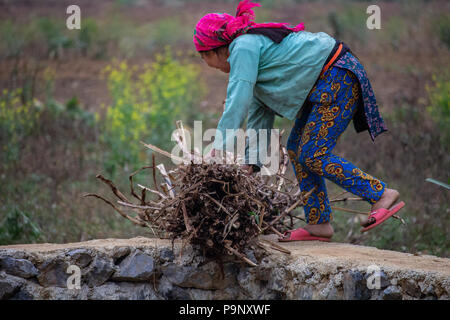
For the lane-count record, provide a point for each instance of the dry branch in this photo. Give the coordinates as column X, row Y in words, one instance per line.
column 217, row 207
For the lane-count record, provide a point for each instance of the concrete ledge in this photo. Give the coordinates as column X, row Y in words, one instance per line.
column 146, row 268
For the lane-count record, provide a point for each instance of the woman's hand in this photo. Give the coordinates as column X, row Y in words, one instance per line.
column 210, row 155
column 248, row 168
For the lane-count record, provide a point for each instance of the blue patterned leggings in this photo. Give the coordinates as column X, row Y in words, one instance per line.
column 333, row 101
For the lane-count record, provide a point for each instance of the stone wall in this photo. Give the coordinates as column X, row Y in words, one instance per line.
column 143, row 268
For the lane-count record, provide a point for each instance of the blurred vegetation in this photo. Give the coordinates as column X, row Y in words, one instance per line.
column 55, row 137
column 439, row 108
column 441, row 25
column 17, row 120
column 145, row 104
column 74, row 144
column 344, row 23
column 116, row 36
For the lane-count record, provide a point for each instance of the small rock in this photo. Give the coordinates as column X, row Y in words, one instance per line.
column 9, row 285
column 355, row 286
column 277, row 281
column 427, row 289
column 231, row 293
column 247, row 281
column 100, row 271
column 314, row 280
column 329, row 292
column 138, row 266
column 53, row 273
column 123, row 291
column 307, row 273
column 166, row 255
column 178, row 293
column 411, row 288
column 119, row 253
column 208, row 276
column 56, row 293
column 333, row 294
column 18, row 267
column 391, row 293
column 22, row 295
column 81, row 257
column 305, row 293
column 338, row 279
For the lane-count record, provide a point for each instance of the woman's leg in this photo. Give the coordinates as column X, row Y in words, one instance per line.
column 334, row 101
column 307, row 181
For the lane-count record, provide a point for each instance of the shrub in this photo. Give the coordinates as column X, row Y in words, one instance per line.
column 439, row 108
column 17, row 227
column 13, row 39
column 441, row 25
column 87, row 36
column 17, row 121
column 52, row 32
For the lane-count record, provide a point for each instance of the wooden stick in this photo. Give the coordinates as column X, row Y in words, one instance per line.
column 274, row 230
column 154, row 172
column 134, row 220
column 113, row 188
column 186, row 218
column 293, row 206
column 284, row 167
column 346, row 199
column 131, row 205
column 164, row 153
column 218, row 203
column 276, row 247
column 299, row 218
column 153, row 191
column 240, row 255
column 349, row 210
column 131, row 182
column 338, row 195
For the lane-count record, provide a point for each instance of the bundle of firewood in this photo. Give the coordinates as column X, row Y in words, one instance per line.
column 220, row 208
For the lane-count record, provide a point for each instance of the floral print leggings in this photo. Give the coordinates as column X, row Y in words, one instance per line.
column 333, row 102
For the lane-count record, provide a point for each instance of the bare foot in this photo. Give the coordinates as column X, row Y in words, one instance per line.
column 320, row 230
column 389, row 197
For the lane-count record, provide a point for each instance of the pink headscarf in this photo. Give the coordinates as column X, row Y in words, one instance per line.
column 217, row 29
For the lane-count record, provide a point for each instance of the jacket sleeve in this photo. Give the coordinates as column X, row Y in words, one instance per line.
column 259, row 118
column 244, row 61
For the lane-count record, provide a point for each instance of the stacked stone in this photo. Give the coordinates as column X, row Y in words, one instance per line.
column 155, row 270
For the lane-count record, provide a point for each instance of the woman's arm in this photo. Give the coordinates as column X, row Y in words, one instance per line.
column 259, row 118
column 244, row 61
column 239, row 97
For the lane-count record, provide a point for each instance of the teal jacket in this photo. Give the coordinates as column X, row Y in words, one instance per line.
column 267, row 78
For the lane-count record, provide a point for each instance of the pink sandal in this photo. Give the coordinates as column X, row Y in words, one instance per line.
column 301, row 234
column 380, row 215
